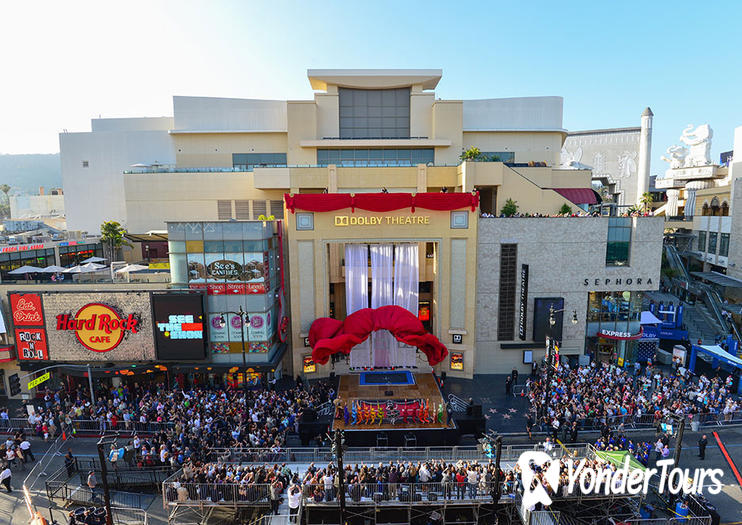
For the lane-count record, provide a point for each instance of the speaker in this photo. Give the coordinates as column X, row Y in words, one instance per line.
column 309, row 415
column 476, row 411
column 388, row 393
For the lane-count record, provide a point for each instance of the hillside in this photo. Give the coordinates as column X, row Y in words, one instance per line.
column 26, row 173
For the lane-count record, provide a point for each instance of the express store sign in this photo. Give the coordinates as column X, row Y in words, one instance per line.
column 98, row 327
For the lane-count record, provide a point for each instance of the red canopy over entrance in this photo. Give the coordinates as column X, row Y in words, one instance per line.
column 328, row 336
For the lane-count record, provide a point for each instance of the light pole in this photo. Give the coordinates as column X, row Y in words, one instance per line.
column 105, row 440
column 550, row 353
column 338, row 447
column 244, row 320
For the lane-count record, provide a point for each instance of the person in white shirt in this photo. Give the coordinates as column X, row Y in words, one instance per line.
column 5, row 476
column 294, row 501
column 26, row 450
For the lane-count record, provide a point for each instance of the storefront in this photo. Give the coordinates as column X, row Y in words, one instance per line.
column 237, row 265
column 120, row 334
column 614, row 326
column 41, row 255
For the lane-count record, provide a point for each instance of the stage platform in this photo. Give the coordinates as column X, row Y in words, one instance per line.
column 392, row 392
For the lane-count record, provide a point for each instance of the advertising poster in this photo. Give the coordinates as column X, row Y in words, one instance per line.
column 31, row 344
column 223, row 267
column 217, row 332
column 26, row 309
column 234, row 325
column 180, row 331
column 196, row 268
column 256, row 266
column 260, row 327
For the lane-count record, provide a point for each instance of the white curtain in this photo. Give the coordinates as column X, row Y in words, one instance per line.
column 406, row 286
column 356, row 295
column 384, row 344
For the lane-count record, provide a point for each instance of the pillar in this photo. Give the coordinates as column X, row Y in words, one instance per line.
column 645, row 155
column 672, row 203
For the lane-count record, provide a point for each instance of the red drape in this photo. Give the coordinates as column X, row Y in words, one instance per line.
column 328, row 336
column 381, row 202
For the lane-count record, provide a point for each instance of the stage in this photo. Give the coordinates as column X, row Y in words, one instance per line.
column 378, row 407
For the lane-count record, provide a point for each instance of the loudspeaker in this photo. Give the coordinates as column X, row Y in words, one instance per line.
column 476, row 411
column 309, row 415
column 389, row 393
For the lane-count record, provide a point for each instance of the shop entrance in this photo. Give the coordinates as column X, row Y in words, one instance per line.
column 371, row 275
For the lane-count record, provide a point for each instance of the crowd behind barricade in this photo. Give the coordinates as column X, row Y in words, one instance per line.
column 603, row 396
column 396, row 481
column 188, row 422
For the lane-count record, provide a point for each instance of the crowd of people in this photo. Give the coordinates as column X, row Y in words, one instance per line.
column 603, row 396
column 571, row 214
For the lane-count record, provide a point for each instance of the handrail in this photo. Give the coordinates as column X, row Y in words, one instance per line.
column 676, row 261
column 715, row 302
column 457, row 404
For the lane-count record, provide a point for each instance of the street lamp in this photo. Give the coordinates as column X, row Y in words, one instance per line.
column 244, row 320
column 550, row 351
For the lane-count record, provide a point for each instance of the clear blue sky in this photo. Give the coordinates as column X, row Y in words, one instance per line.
column 66, row 62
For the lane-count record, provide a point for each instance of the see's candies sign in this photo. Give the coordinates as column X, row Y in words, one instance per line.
column 98, row 327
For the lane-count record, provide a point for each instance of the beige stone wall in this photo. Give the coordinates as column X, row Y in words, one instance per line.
column 63, row 344
column 527, row 145
column 303, row 125
column 735, row 239
column 562, row 253
column 447, row 123
column 201, row 150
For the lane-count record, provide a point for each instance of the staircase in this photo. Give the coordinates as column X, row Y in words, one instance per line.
column 701, row 324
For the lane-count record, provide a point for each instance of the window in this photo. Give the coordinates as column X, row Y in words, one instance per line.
column 501, row 156
column 258, row 209
column 277, row 209
column 242, row 210
column 375, row 157
column 713, row 238
column 701, row 241
column 618, row 247
column 224, row 210
column 508, row 275
column 374, row 113
column 724, row 245
column 85, row 164
column 250, row 160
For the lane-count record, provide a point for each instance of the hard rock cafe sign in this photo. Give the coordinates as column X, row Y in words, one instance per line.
column 98, row 327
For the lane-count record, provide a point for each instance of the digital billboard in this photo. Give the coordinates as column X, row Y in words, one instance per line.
column 179, row 324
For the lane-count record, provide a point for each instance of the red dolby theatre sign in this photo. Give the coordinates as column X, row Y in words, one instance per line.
column 98, row 327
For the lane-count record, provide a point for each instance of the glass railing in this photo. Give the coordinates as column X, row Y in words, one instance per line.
column 243, row 168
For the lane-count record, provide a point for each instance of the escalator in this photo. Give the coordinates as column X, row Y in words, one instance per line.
column 676, row 263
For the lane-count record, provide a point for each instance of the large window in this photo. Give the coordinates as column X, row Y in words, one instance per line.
column 618, row 248
column 701, row 241
column 374, row 114
column 499, row 156
column 248, row 161
column 724, row 245
column 375, row 157
column 508, row 277
column 713, row 238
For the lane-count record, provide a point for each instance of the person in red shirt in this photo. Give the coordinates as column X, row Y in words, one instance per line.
column 460, row 484
column 114, row 421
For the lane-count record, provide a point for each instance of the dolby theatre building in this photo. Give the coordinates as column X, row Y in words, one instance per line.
column 375, row 211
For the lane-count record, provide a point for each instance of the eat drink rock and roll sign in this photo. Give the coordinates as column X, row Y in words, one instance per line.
column 28, row 322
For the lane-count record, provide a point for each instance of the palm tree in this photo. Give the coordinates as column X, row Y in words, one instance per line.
column 646, row 201
column 5, row 189
column 112, row 237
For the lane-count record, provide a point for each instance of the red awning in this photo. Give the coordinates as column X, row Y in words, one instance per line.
column 381, row 202
column 578, row 195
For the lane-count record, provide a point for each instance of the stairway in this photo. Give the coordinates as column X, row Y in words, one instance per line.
column 701, row 324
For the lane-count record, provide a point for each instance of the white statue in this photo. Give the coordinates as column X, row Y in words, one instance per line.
column 570, row 159
column 599, row 164
column 699, row 143
column 676, row 156
column 627, row 164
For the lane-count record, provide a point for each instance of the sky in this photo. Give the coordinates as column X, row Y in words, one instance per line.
column 67, row 62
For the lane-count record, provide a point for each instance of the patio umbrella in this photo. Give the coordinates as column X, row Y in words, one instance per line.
column 93, row 260
column 53, row 269
column 26, row 269
column 85, row 268
column 132, row 268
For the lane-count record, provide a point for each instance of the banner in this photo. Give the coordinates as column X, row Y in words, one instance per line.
column 523, row 307
column 260, row 327
column 31, row 344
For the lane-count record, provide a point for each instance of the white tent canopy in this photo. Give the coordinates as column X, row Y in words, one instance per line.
column 26, row 269
column 85, row 268
column 54, row 269
column 132, row 268
column 649, row 318
column 93, row 260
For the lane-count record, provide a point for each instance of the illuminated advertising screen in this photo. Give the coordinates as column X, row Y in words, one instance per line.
column 179, row 325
